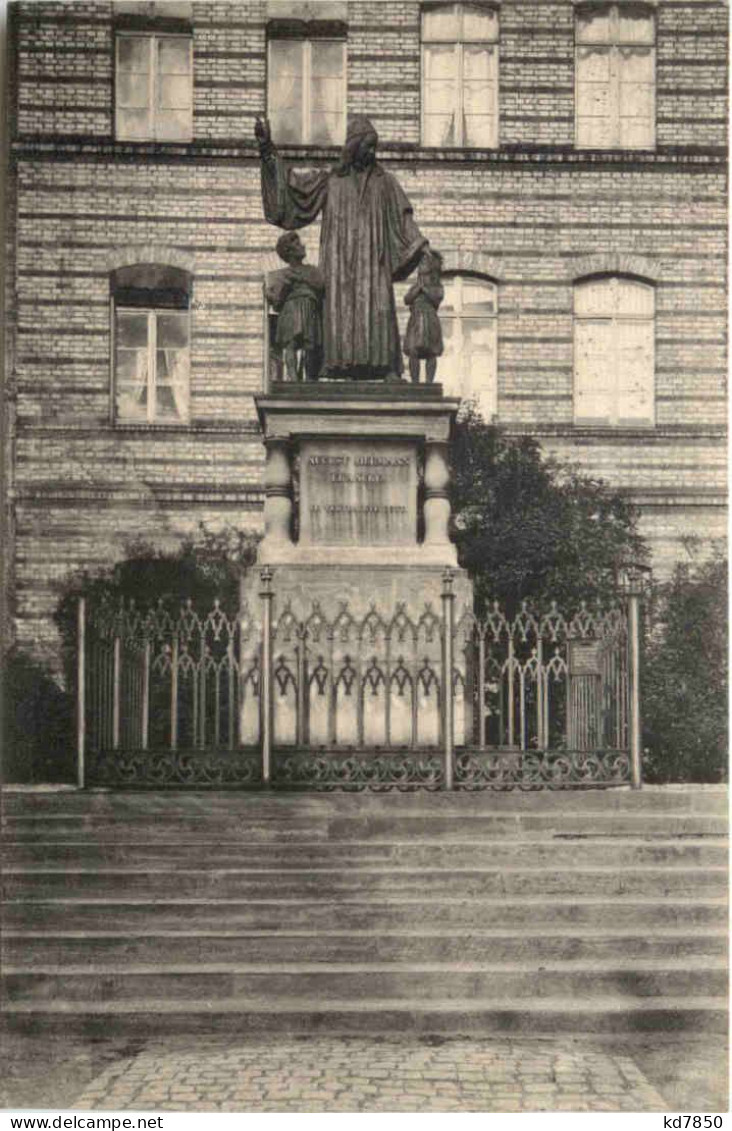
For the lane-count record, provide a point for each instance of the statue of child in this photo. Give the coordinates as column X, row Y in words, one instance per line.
column 423, row 338
column 296, row 293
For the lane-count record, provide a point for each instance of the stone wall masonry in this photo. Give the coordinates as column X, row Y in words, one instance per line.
column 59, row 538
column 666, row 525
column 538, row 217
column 679, row 485
column 537, row 226
column 58, row 43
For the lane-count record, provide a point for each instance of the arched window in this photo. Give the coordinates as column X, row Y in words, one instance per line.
column 460, row 75
column 468, row 366
column 151, row 345
column 615, row 68
column 614, row 351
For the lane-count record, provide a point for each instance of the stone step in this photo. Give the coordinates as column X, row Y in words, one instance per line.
column 39, row 949
column 327, row 883
column 304, row 855
column 696, row 799
column 541, row 912
column 443, row 828
column 488, row 913
column 385, row 981
column 537, row 1018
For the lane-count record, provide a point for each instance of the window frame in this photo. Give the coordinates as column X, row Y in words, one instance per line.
column 461, row 5
column 614, row 319
column 614, row 46
column 459, row 317
column 307, row 42
column 153, row 38
column 152, row 420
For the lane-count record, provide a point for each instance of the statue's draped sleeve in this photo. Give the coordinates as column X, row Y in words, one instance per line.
column 403, row 237
column 291, row 199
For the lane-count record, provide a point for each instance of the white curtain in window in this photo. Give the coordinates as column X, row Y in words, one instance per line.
column 460, row 76
column 154, row 95
column 326, row 92
column 131, row 365
column 134, row 87
column 440, row 94
column 172, row 365
column 285, row 90
column 306, row 91
column 152, row 366
column 174, row 101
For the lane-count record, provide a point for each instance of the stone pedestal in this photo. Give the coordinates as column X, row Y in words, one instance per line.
column 356, row 502
column 352, row 606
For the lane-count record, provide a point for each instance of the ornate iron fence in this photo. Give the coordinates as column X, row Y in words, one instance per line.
column 325, row 699
column 163, row 697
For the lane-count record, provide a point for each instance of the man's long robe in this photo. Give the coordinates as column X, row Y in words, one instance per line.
column 368, row 239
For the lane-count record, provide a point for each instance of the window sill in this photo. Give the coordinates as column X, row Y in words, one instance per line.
column 150, row 426
column 135, row 141
column 613, row 426
column 621, row 434
column 192, row 426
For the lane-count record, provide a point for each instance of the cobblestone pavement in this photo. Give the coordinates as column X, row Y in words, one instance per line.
column 358, row 1074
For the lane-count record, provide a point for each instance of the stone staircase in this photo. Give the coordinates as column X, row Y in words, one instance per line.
column 534, row 913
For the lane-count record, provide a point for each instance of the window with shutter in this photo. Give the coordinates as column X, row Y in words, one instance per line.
column 614, row 352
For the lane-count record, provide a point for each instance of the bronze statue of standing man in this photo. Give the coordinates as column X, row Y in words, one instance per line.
column 368, row 241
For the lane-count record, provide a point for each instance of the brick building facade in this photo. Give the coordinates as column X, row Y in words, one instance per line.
column 531, row 218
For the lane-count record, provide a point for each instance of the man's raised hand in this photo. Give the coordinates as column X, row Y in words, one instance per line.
column 263, row 134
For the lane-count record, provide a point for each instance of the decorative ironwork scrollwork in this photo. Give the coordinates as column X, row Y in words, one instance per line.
column 147, row 769
column 533, row 769
column 359, row 771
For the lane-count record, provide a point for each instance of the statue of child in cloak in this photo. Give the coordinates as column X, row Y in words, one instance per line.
column 297, row 295
column 423, row 339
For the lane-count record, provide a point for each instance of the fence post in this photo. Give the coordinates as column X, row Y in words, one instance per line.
column 116, row 681
column 448, row 599
column 145, row 709
column 300, row 708
column 81, row 692
column 481, row 629
column 174, row 691
column 265, row 338
column 636, row 772
column 632, row 579
column 267, row 717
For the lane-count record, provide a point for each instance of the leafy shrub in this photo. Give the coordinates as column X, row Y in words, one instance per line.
column 684, row 687
column 530, row 527
column 38, row 723
column 204, row 569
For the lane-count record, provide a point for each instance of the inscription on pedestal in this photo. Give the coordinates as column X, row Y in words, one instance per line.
column 356, row 493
